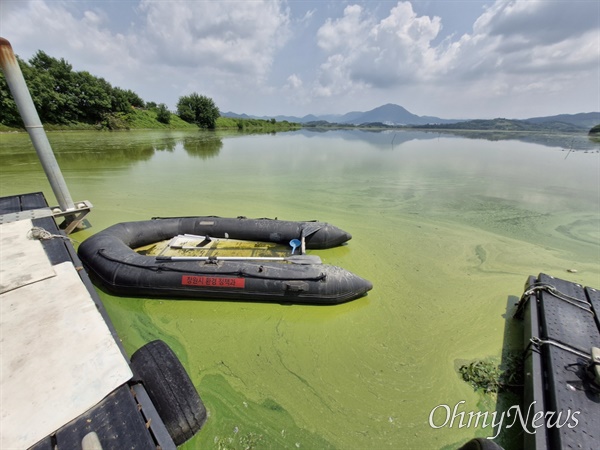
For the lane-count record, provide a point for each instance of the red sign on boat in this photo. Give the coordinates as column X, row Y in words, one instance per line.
column 219, row 282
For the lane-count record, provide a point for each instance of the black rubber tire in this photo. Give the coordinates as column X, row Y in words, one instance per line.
column 170, row 389
column 480, row 444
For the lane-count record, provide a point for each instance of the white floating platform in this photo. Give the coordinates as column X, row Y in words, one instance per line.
column 58, row 358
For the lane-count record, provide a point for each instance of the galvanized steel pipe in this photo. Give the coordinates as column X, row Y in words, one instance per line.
column 33, row 125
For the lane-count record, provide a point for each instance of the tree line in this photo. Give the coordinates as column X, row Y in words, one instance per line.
column 63, row 96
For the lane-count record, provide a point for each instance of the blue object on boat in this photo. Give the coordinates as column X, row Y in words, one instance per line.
column 295, row 243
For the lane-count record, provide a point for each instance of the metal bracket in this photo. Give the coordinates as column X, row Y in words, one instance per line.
column 73, row 217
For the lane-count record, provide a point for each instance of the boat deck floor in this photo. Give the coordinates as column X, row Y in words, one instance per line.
column 206, row 246
column 58, row 356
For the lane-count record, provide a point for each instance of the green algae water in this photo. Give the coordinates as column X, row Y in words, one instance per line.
column 446, row 227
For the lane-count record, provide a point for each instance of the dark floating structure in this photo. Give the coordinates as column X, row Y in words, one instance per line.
column 67, row 382
column 561, row 365
column 110, row 258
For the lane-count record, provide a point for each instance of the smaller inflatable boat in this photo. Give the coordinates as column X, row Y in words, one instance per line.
column 110, row 258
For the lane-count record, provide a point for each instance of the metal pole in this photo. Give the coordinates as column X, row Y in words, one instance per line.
column 33, row 125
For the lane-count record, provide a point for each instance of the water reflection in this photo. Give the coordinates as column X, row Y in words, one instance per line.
column 447, row 227
column 168, row 145
column 119, row 155
column 206, row 147
column 382, row 139
column 571, row 141
column 389, row 139
column 117, row 149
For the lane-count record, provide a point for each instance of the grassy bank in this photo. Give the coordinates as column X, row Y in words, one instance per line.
column 140, row 119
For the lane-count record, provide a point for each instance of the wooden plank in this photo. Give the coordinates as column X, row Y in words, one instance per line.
column 58, row 357
column 24, row 260
column 188, row 245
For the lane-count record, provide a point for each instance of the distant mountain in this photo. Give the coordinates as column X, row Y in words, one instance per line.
column 581, row 120
column 340, row 118
column 391, row 114
column 233, row 115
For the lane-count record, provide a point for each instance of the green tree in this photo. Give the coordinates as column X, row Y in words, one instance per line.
column 48, row 80
column 162, row 114
column 56, row 89
column 62, row 95
column 8, row 109
column 119, row 100
column 93, row 97
column 198, row 109
column 134, row 99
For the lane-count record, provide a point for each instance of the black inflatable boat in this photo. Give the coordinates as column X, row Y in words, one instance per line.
column 110, row 258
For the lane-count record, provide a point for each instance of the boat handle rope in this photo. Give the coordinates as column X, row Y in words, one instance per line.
column 537, row 342
column 555, row 293
column 591, row 365
column 166, row 268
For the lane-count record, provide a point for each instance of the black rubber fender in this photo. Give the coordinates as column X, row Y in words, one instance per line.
column 169, row 387
column 481, row 444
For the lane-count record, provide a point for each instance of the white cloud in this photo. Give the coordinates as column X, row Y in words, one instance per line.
column 239, row 39
column 516, row 46
column 531, row 37
column 308, row 16
column 251, row 55
column 176, row 45
column 293, row 82
column 364, row 52
column 335, row 78
column 60, row 32
column 344, row 34
column 536, row 22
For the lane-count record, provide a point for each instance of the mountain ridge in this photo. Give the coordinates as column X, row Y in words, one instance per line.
column 395, row 115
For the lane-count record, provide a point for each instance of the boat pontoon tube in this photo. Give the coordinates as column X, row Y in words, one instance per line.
column 110, row 258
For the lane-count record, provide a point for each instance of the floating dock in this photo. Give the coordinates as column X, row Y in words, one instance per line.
column 561, row 404
column 65, row 379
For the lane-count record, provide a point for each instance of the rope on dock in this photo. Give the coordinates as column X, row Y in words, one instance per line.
column 537, row 342
column 42, row 234
column 590, row 365
column 582, row 304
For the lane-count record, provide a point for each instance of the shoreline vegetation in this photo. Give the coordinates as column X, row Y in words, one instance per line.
column 146, row 119
column 71, row 100
column 68, row 100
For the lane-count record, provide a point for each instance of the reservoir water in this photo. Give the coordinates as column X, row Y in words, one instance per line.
column 446, row 227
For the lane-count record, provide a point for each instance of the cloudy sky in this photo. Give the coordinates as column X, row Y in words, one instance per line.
column 446, row 58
